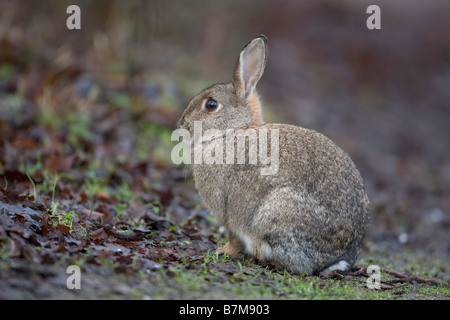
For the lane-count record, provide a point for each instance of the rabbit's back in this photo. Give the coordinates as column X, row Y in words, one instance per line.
column 308, row 161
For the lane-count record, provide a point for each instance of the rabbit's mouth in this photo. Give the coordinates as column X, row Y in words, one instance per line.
column 182, row 124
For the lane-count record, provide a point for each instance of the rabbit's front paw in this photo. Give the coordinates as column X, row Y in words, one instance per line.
column 231, row 249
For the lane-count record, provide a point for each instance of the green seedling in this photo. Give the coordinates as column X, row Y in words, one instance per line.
column 34, row 186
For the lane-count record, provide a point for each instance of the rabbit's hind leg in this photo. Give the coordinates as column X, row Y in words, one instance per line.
column 293, row 260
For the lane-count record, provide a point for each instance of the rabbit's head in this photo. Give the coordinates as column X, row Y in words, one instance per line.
column 232, row 105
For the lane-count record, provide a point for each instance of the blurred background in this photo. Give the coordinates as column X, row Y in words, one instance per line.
column 116, row 88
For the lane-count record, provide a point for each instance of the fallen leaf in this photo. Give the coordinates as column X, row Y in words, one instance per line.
column 57, row 163
column 91, row 214
column 63, row 228
column 98, row 235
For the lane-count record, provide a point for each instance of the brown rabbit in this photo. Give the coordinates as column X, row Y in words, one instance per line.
column 311, row 214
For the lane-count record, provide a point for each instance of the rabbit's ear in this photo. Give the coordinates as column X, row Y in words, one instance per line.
column 250, row 66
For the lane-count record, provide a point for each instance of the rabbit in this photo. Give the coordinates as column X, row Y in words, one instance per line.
column 311, row 216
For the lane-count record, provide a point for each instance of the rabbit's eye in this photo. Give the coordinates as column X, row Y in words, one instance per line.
column 211, row 105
